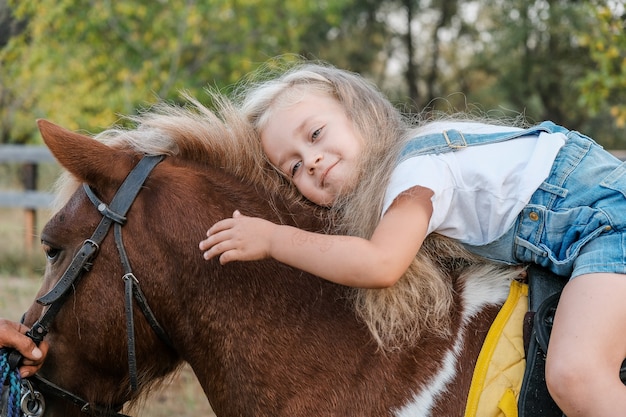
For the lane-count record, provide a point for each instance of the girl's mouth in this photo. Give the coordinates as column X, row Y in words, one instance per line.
column 325, row 174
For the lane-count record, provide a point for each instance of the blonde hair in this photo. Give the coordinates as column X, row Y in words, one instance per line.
column 422, row 299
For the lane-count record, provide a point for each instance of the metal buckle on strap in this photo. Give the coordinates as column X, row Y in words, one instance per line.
column 130, row 276
column 32, row 402
column 454, row 139
column 93, row 243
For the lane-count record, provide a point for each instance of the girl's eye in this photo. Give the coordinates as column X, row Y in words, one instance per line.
column 316, row 134
column 295, row 168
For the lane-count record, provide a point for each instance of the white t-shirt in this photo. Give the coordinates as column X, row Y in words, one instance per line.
column 478, row 190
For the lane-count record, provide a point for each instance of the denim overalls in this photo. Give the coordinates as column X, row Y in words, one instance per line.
column 574, row 223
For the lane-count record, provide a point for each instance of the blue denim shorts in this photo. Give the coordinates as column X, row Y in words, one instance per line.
column 575, row 222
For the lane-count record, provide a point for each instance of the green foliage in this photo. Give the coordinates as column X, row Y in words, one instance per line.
column 605, row 83
column 83, row 63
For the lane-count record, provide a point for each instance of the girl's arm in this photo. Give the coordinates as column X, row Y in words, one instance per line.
column 375, row 263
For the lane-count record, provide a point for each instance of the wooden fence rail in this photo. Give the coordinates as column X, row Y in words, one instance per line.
column 29, row 199
column 30, row 157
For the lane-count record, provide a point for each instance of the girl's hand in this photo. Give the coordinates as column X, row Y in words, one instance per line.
column 12, row 336
column 239, row 238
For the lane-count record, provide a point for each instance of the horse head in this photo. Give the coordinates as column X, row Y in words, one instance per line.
column 91, row 310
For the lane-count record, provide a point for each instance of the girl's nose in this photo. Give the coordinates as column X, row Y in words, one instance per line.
column 312, row 162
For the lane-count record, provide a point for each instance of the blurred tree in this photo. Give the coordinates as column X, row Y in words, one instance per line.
column 604, row 84
column 9, row 28
column 82, row 63
column 513, row 57
column 424, row 68
column 434, row 41
column 9, row 25
column 531, row 57
column 355, row 37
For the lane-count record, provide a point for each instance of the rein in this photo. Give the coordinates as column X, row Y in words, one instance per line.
column 114, row 215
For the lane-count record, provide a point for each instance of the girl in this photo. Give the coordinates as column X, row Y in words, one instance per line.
column 544, row 194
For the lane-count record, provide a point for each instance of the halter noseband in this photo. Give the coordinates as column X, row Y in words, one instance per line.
column 112, row 214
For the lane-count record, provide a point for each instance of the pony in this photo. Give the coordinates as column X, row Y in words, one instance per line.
column 262, row 338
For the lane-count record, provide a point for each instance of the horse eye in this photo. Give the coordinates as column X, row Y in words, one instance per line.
column 51, row 253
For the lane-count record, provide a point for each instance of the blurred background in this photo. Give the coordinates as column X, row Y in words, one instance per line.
column 84, row 64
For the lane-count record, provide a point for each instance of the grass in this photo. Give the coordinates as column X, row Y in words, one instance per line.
column 20, row 278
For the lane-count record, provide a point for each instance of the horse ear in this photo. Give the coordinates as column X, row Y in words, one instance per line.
column 87, row 159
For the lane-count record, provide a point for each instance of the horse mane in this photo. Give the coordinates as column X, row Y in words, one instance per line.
column 222, row 138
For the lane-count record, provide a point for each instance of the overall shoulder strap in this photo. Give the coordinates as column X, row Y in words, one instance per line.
column 453, row 140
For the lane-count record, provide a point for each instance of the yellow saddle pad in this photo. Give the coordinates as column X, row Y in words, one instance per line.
column 500, row 367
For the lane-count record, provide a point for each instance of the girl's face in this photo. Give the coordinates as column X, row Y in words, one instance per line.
column 314, row 143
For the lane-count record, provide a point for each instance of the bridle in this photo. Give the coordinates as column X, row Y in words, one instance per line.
column 114, row 215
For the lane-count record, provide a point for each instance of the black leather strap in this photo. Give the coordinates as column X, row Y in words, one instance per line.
column 47, row 387
column 133, row 290
column 544, row 291
column 115, row 212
